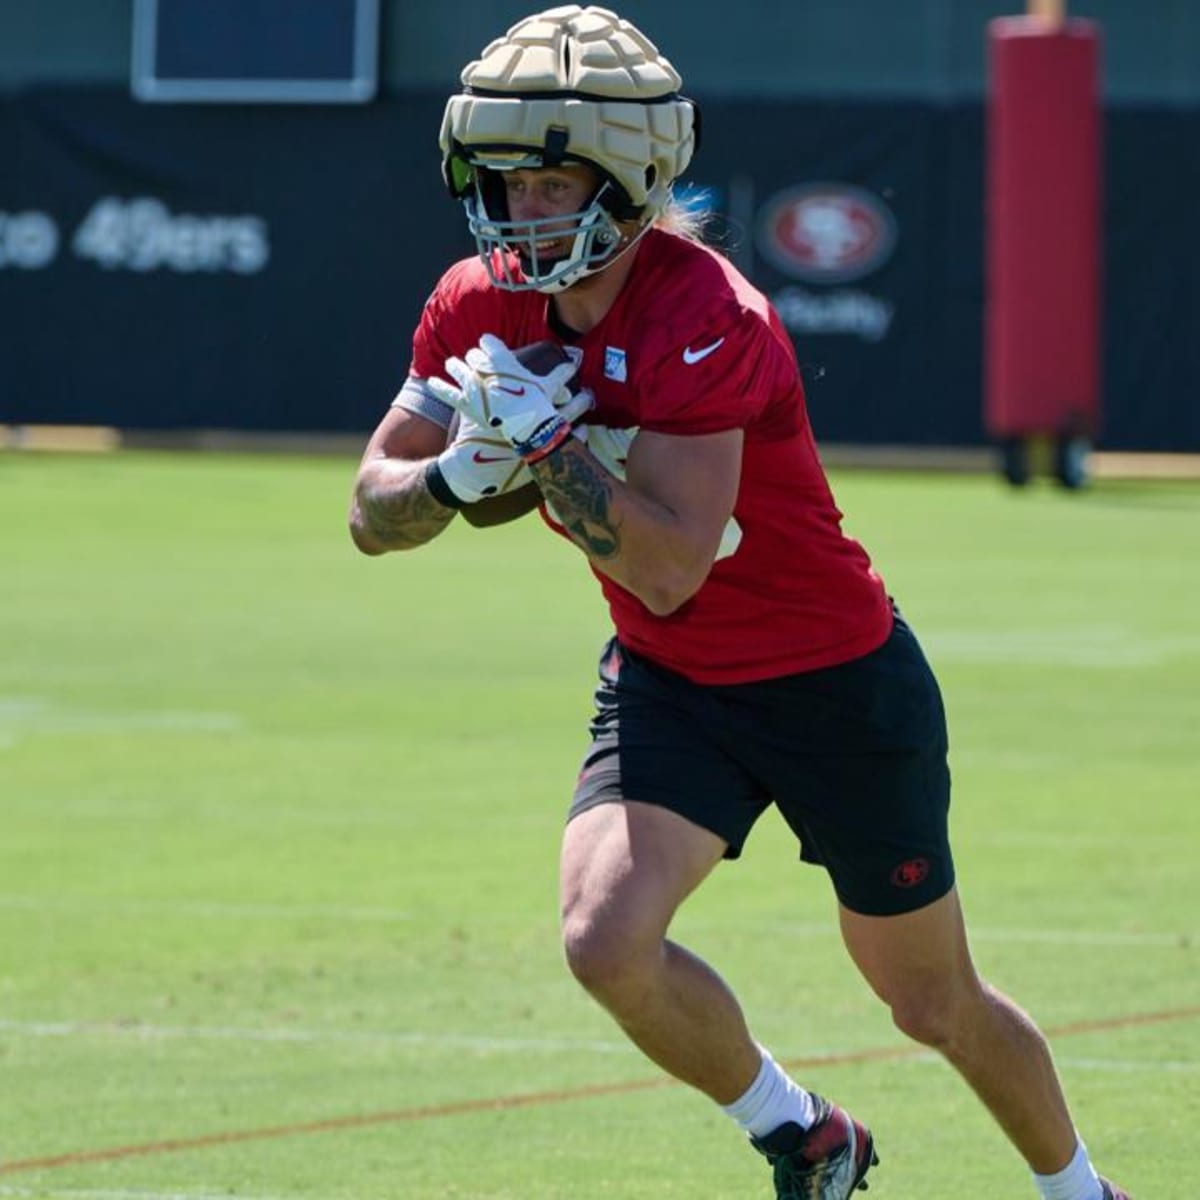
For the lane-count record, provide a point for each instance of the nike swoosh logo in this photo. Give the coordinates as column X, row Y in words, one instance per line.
column 482, row 458
column 517, row 391
column 691, row 356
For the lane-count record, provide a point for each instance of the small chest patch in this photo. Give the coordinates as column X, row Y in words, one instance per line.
column 614, row 364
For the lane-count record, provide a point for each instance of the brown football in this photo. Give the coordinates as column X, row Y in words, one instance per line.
column 542, row 357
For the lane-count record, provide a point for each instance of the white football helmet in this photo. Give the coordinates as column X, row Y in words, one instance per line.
column 567, row 85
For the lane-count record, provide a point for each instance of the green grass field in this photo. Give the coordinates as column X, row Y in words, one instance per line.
column 280, row 825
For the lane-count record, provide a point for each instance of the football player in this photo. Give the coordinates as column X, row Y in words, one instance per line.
column 758, row 658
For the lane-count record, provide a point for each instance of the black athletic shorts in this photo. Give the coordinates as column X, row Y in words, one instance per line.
column 853, row 756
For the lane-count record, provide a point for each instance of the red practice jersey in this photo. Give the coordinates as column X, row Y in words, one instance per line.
column 690, row 347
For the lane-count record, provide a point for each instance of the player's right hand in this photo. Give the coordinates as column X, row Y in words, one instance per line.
column 479, row 463
column 498, row 391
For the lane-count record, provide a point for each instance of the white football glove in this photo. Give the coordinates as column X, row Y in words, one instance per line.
column 478, row 463
column 609, row 447
column 533, row 413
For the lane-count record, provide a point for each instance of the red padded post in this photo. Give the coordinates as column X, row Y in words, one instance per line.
column 1043, row 240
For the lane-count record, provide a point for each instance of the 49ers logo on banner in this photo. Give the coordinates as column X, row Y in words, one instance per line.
column 826, row 232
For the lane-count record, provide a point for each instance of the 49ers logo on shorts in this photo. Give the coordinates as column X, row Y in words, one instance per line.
column 826, row 232
column 909, row 874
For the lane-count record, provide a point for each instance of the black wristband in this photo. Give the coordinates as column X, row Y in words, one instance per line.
column 438, row 488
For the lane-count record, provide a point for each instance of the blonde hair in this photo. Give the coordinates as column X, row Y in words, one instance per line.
column 683, row 220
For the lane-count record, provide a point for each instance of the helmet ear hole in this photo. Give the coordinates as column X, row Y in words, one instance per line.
column 493, row 194
column 615, row 201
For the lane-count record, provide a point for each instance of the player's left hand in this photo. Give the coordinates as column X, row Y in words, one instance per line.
column 532, row 412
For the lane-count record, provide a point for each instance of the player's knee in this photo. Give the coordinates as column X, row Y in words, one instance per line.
column 930, row 1017
column 602, row 955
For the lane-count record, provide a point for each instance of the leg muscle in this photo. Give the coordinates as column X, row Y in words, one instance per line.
column 920, row 966
column 626, row 868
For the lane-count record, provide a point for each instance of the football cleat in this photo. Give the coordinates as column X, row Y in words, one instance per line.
column 1110, row 1191
column 825, row 1162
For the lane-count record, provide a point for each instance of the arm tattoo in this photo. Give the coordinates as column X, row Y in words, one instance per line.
column 580, row 491
column 403, row 517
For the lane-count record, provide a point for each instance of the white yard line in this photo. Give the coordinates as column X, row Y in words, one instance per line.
column 475, row 1043
column 216, row 909
column 448, row 1041
column 48, row 1193
column 25, row 716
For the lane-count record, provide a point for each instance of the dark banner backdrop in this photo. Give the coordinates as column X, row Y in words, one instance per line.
column 262, row 267
column 215, row 266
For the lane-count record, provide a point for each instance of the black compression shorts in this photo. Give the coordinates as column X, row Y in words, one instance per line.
column 853, row 756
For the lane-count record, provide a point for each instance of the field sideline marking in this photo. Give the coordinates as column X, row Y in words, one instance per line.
column 530, row 1099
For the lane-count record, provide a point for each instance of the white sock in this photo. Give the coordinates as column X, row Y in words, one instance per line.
column 771, row 1100
column 1076, row 1181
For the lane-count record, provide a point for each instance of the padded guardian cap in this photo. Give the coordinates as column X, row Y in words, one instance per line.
column 568, row 85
